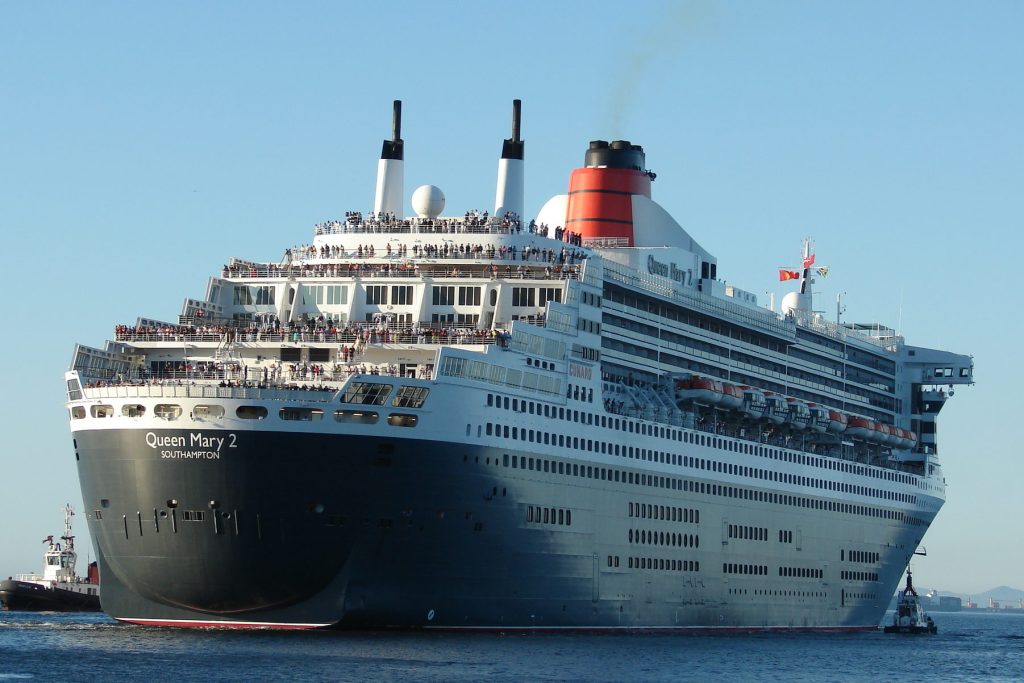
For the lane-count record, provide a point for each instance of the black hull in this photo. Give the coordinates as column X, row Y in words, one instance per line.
column 911, row 630
column 301, row 530
column 31, row 597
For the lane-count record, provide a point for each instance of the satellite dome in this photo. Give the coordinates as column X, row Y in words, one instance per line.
column 795, row 301
column 428, row 201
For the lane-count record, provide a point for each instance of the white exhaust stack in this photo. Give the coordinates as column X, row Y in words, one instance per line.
column 509, row 196
column 390, row 170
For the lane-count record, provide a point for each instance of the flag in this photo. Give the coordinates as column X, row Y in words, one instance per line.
column 823, row 271
column 808, row 261
column 787, row 275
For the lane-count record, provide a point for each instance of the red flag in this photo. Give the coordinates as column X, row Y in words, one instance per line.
column 787, row 275
column 809, row 261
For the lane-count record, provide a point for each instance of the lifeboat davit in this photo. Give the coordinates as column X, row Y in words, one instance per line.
column 861, row 428
column 798, row 414
column 699, row 389
column 819, row 418
column 732, row 397
column 837, row 421
column 777, row 410
column 754, row 404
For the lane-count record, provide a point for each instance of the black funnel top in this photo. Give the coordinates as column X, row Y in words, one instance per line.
column 618, row 154
column 513, row 146
column 395, row 147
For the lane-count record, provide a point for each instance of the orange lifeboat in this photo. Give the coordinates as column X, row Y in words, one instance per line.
column 732, row 397
column 907, row 438
column 861, row 428
column 699, row 389
column 837, row 421
column 884, row 432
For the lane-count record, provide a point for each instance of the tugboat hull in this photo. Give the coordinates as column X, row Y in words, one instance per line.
column 27, row 596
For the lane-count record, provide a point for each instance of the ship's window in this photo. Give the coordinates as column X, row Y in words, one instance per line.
column 301, row 414
column 77, row 412
column 133, row 410
column 102, row 411
column 369, row 393
column 410, row 397
column 251, row 412
column 402, row 420
column 167, row 411
column 206, row 411
column 356, row 416
column 290, row 354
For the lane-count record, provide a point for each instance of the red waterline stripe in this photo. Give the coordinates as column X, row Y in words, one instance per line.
column 195, row 623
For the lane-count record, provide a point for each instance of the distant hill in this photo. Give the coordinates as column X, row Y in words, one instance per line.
column 1005, row 595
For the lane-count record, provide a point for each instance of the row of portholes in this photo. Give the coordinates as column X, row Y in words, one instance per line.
column 171, row 411
column 672, row 538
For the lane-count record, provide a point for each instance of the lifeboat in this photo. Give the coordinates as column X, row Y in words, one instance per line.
column 861, row 428
column 754, row 404
column 819, row 418
column 908, row 439
column 884, row 434
column 902, row 440
column 699, row 389
column 732, row 397
column 777, row 410
column 837, row 421
column 797, row 413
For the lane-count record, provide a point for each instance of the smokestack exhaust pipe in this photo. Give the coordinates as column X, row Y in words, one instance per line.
column 509, row 194
column 391, row 169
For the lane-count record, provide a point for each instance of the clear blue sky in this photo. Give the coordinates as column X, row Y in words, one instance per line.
column 143, row 144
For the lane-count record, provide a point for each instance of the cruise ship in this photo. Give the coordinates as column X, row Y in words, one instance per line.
column 479, row 421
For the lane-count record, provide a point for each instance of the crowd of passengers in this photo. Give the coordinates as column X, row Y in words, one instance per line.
column 556, row 263
column 472, row 221
column 446, row 250
column 289, row 376
column 269, row 327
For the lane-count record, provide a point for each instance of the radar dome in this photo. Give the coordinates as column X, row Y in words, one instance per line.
column 795, row 301
column 428, row 201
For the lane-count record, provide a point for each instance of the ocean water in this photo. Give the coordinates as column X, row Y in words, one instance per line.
column 92, row 647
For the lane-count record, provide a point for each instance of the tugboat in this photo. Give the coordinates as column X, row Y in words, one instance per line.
column 59, row 589
column 910, row 617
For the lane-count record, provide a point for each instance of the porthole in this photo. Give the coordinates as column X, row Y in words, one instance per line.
column 101, row 411
column 206, row 412
column 133, row 410
column 356, row 416
column 251, row 412
column 167, row 411
column 402, row 420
